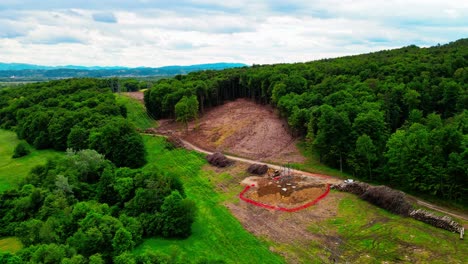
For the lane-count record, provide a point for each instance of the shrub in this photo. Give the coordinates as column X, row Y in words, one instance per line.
column 21, row 150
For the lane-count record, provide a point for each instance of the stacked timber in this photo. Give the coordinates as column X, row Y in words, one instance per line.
column 444, row 222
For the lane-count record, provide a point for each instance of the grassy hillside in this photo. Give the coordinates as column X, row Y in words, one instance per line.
column 13, row 170
column 136, row 112
column 217, row 235
column 367, row 234
column 363, row 233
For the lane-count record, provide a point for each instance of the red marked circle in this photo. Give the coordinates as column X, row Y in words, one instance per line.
column 290, row 210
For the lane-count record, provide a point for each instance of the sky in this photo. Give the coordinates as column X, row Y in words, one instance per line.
column 169, row 32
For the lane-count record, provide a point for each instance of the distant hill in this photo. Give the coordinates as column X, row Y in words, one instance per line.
column 31, row 71
column 24, row 66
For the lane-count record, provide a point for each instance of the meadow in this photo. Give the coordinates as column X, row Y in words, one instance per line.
column 136, row 112
column 12, row 171
column 368, row 234
column 217, row 235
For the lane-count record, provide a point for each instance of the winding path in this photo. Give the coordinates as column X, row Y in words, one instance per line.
column 330, row 179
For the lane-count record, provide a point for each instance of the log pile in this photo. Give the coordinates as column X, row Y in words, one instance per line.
column 444, row 222
column 396, row 202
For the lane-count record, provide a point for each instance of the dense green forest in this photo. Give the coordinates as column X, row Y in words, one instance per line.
column 82, row 208
column 89, row 206
column 397, row 117
column 74, row 113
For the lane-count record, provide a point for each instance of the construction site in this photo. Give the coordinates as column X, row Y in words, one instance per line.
column 283, row 190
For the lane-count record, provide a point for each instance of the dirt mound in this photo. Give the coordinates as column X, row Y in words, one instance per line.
column 219, row 160
column 258, row 169
column 276, row 196
column 284, row 191
column 243, row 128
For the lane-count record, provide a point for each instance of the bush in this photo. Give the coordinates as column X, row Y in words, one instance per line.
column 21, row 150
column 177, row 215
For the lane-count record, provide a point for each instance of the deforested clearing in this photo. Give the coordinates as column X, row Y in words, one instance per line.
column 244, row 128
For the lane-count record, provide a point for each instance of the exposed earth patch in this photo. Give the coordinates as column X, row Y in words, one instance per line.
column 242, row 128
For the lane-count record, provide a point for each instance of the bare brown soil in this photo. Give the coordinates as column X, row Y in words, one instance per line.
column 242, row 128
column 291, row 228
column 254, row 131
column 292, row 233
column 286, row 191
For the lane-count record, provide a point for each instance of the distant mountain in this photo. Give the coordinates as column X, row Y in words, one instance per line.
column 24, row 66
column 31, row 71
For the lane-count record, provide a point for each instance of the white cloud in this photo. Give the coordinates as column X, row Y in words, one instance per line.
column 147, row 34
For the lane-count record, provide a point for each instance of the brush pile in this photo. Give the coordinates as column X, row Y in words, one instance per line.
column 381, row 196
column 396, row 202
column 257, row 169
column 388, row 198
column 357, row 188
column 219, row 160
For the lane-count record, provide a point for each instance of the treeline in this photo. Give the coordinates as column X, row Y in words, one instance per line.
column 82, row 209
column 397, row 117
column 73, row 113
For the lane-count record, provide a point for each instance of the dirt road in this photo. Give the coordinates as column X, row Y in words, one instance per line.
column 229, row 128
column 329, row 179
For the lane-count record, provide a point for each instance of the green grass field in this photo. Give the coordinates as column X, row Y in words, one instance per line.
column 368, row 234
column 363, row 232
column 217, row 235
column 136, row 112
column 13, row 170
